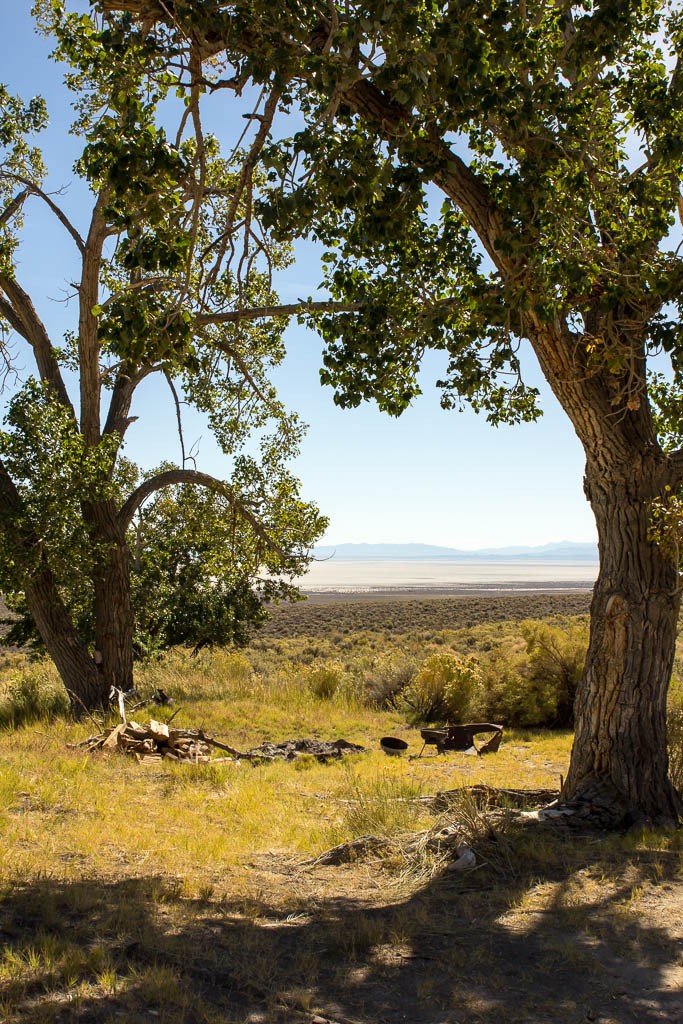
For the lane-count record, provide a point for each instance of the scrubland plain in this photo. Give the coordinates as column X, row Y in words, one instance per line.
column 190, row 893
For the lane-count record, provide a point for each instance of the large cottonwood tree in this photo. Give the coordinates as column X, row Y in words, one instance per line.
column 554, row 133
column 169, row 248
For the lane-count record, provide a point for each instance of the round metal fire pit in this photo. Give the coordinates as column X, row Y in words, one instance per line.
column 392, row 746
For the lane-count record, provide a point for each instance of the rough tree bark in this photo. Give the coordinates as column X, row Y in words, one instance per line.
column 76, row 667
column 619, row 758
column 82, row 680
column 88, row 678
column 114, row 619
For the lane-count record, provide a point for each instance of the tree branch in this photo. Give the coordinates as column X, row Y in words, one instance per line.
column 33, row 189
column 231, row 353
column 193, row 476
column 19, row 311
column 122, row 393
column 258, row 312
column 301, row 308
column 245, row 179
column 179, row 418
column 200, row 157
column 452, row 175
column 7, row 311
column 88, row 342
column 390, row 119
column 152, row 9
column 14, row 206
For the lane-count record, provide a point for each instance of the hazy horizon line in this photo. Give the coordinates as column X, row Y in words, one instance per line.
column 453, row 547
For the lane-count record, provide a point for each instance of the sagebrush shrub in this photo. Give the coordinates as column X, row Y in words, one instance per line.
column 325, row 678
column 386, row 678
column 531, row 679
column 675, row 729
column 31, row 694
column 556, row 659
column 507, row 694
column 442, row 690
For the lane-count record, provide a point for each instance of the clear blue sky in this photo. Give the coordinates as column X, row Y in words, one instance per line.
column 431, row 476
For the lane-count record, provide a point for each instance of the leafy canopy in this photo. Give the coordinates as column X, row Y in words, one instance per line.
column 170, row 256
column 554, row 130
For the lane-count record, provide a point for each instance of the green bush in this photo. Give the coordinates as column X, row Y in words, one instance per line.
column 507, row 694
column 531, row 680
column 442, row 690
column 675, row 729
column 325, row 678
column 386, row 678
column 556, row 659
column 32, row 694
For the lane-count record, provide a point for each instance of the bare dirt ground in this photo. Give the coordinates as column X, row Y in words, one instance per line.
column 352, row 945
column 560, row 947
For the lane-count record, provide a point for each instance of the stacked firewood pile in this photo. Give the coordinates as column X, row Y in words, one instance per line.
column 152, row 743
column 158, row 741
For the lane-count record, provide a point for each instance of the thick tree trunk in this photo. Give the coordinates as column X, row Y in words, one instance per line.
column 114, row 623
column 77, row 669
column 619, row 763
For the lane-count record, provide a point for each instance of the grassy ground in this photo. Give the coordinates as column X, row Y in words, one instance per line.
column 187, row 893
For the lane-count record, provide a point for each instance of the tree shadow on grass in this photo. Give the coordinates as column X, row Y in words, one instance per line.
column 475, row 949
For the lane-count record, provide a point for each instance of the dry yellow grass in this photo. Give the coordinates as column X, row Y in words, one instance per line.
column 111, row 814
column 185, row 893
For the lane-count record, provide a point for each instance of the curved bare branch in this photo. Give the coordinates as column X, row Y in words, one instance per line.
column 195, row 477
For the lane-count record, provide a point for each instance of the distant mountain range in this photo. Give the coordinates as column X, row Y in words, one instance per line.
column 563, row 551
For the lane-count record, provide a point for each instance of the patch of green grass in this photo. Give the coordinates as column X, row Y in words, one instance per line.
column 30, row 691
